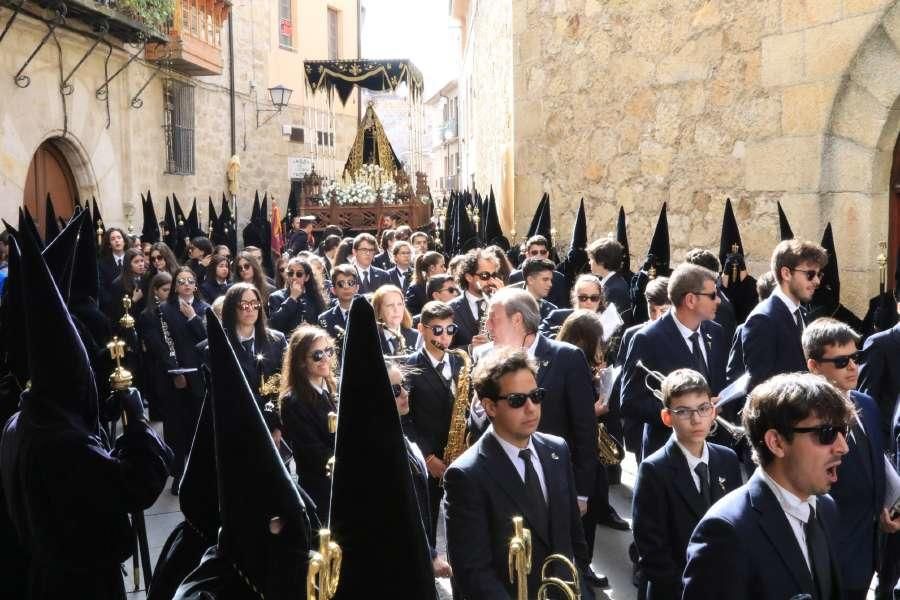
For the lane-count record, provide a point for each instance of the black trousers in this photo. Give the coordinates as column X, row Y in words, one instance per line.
column 598, row 508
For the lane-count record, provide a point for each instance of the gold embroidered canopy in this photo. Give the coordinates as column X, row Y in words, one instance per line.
column 376, row 75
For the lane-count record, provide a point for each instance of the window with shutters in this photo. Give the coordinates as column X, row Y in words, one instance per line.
column 285, row 24
column 179, row 125
column 334, row 40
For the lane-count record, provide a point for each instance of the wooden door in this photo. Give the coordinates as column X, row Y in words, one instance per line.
column 49, row 173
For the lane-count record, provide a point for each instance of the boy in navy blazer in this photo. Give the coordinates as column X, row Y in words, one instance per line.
column 676, row 485
column 831, row 351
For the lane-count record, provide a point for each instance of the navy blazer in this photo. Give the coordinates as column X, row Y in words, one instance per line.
column 545, row 307
column 559, row 290
column 771, row 342
column 394, row 276
column 430, row 403
column 377, row 278
column 551, row 323
column 383, row 260
column 333, row 318
column 725, row 314
column 415, row 298
column 735, row 367
column 879, row 373
column 483, row 492
column 662, row 348
column 666, row 508
column 286, row 313
column 744, row 549
column 410, row 339
column 211, row 289
column 465, row 321
column 859, row 495
column 615, row 291
column 632, row 429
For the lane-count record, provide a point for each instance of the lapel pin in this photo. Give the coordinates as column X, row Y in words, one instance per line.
column 554, row 456
column 722, row 483
column 544, row 363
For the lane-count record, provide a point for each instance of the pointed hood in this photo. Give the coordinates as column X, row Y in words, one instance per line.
column 12, row 316
column 576, row 260
column 170, row 231
column 229, row 227
column 85, row 281
column 253, row 485
column 51, row 224
column 60, row 254
column 730, row 236
column 150, row 231
column 369, row 433
column 181, row 230
column 198, row 492
column 622, row 238
column 265, row 232
column 97, row 221
column 62, row 392
column 213, row 219
column 492, row 234
column 251, row 231
column 449, row 216
column 536, row 218
column 465, row 236
column 544, row 227
column 26, row 224
column 827, row 296
column 783, row 226
column 658, row 255
column 193, row 222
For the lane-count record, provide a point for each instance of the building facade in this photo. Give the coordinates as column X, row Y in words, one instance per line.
column 689, row 102
column 168, row 130
column 445, row 174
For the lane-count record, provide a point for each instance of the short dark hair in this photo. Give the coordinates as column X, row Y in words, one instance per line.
column 783, row 401
column 469, row 267
column 496, row 364
column 533, row 266
column 606, row 252
column 434, row 310
column 657, row 291
column 364, row 237
column 344, row 270
column 333, row 230
column 203, row 244
column 680, row 382
column 791, row 253
column 536, row 240
column 765, row 285
column 824, row 332
column 686, row 279
column 387, row 236
column 703, row 258
column 398, row 245
column 330, row 243
column 435, row 283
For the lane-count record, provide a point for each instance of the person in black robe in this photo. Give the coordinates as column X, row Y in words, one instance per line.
column 67, row 493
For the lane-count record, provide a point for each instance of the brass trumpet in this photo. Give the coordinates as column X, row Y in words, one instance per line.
column 736, row 432
column 520, row 567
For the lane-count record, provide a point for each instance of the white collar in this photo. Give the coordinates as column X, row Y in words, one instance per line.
column 606, row 278
column 512, row 451
column 791, row 305
column 434, row 361
column 692, row 460
column 242, row 339
column 683, row 329
column 473, row 299
column 318, row 389
column 790, row 504
column 533, row 347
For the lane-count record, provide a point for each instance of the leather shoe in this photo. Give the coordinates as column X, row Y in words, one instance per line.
column 614, row 521
column 595, row 579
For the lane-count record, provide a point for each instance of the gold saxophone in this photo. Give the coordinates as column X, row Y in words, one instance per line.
column 609, row 451
column 456, row 438
column 520, row 566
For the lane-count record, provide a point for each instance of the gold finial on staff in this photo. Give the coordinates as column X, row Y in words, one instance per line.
column 121, row 378
column 734, row 266
column 881, row 259
column 324, row 571
column 519, row 558
column 126, row 321
column 100, row 231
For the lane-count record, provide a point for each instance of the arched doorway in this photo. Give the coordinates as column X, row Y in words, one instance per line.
column 49, row 173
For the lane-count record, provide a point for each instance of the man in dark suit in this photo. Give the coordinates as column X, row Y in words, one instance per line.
column 770, row 337
column 677, row 484
column 831, row 351
column 400, row 273
column 479, row 277
column 382, row 260
column 879, row 374
column 764, row 286
column 605, row 256
column 301, row 237
column 369, row 276
column 511, row 471
column 433, row 377
column 345, row 286
column 685, row 338
column 775, row 536
column 538, row 274
column 725, row 315
column 538, row 247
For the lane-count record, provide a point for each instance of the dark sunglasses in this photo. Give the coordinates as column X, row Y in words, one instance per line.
column 440, row 329
column 542, row 252
column 157, row 257
column 810, row 274
column 711, row 295
column 452, row 290
column 346, row 283
column 826, row 434
column 293, row 273
column 245, row 266
column 252, row 305
column 841, row 362
column 484, row 275
column 318, row 355
column 398, row 388
column 518, row 400
column 592, row 298
column 185, row 281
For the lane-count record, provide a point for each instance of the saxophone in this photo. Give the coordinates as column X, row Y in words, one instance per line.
column 164, row 325
column 456, row 438
column 398, row 335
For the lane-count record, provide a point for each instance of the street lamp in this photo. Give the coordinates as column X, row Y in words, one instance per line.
column 280, row 97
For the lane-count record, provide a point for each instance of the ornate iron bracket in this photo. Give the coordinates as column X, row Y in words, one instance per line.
column 101, row 28
column 23, row 81
column 17, row 8
column 103, row 91
column 137, row 101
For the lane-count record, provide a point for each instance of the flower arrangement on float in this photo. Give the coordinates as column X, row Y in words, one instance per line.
column 369, row 184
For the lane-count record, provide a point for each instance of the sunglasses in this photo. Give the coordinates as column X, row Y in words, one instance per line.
column 841, row 362
column 157, row 257
column 826, row 434
column 346, row 283
column 244, row 266
column 318, row 355
column 440, row 329
column 292, row 273
column 810, row 274
column 685, row 413
column 484, row 275
column 185, row 281
column 399, row 388
column 518, row 400
column 542, row 252
column 452, row 290
column 252, row 305
column 591, row 298
column 711, row 295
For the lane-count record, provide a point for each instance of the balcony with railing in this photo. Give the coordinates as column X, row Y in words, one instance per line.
column 449, row 130
column 195, row 38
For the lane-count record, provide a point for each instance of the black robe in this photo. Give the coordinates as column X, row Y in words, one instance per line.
column 179, row 556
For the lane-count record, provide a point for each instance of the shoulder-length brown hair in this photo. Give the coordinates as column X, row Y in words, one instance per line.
column 259, row 281
column 294, row 377
column 230, row 308
column 584, row 329
column 378, row 300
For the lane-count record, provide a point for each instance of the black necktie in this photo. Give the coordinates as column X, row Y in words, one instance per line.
column 699, row 362
column 366, row 280
column 819, row 557
column 798, row 319
column 440, row 369
column 326, row 398
column 248, row 346
column 533, row 491
column 702, row 472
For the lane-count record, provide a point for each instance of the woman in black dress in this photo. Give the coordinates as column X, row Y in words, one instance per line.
column 307, row 396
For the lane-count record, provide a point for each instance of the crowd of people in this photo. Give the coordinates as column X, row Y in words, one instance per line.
column 764, row 437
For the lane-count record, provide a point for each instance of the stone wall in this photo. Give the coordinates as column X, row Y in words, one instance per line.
column 638, row 102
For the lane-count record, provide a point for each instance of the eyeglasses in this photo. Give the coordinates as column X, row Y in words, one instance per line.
column 538, row 252
column 810, row 274
column 484, row 275
column 245, row 266
column 292, row 273
column 451, row 290
column 518, row 400
column 362, row 250
column 157, row 257
column 591, row 298
column 247, row 306
column 185, row 281
column 346, row 283
column 399, row 388
column 841, row 362
column 685, row 414
column 318, row 355
column 826, row 434
column 440, row 329
column 711, row 295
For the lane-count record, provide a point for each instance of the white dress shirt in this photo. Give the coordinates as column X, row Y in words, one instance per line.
column 447, row 372
column 693, row 461
column 791, row 305
column 686, row 334
column 473, row 303
column 796, row 510
column 513, row 453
